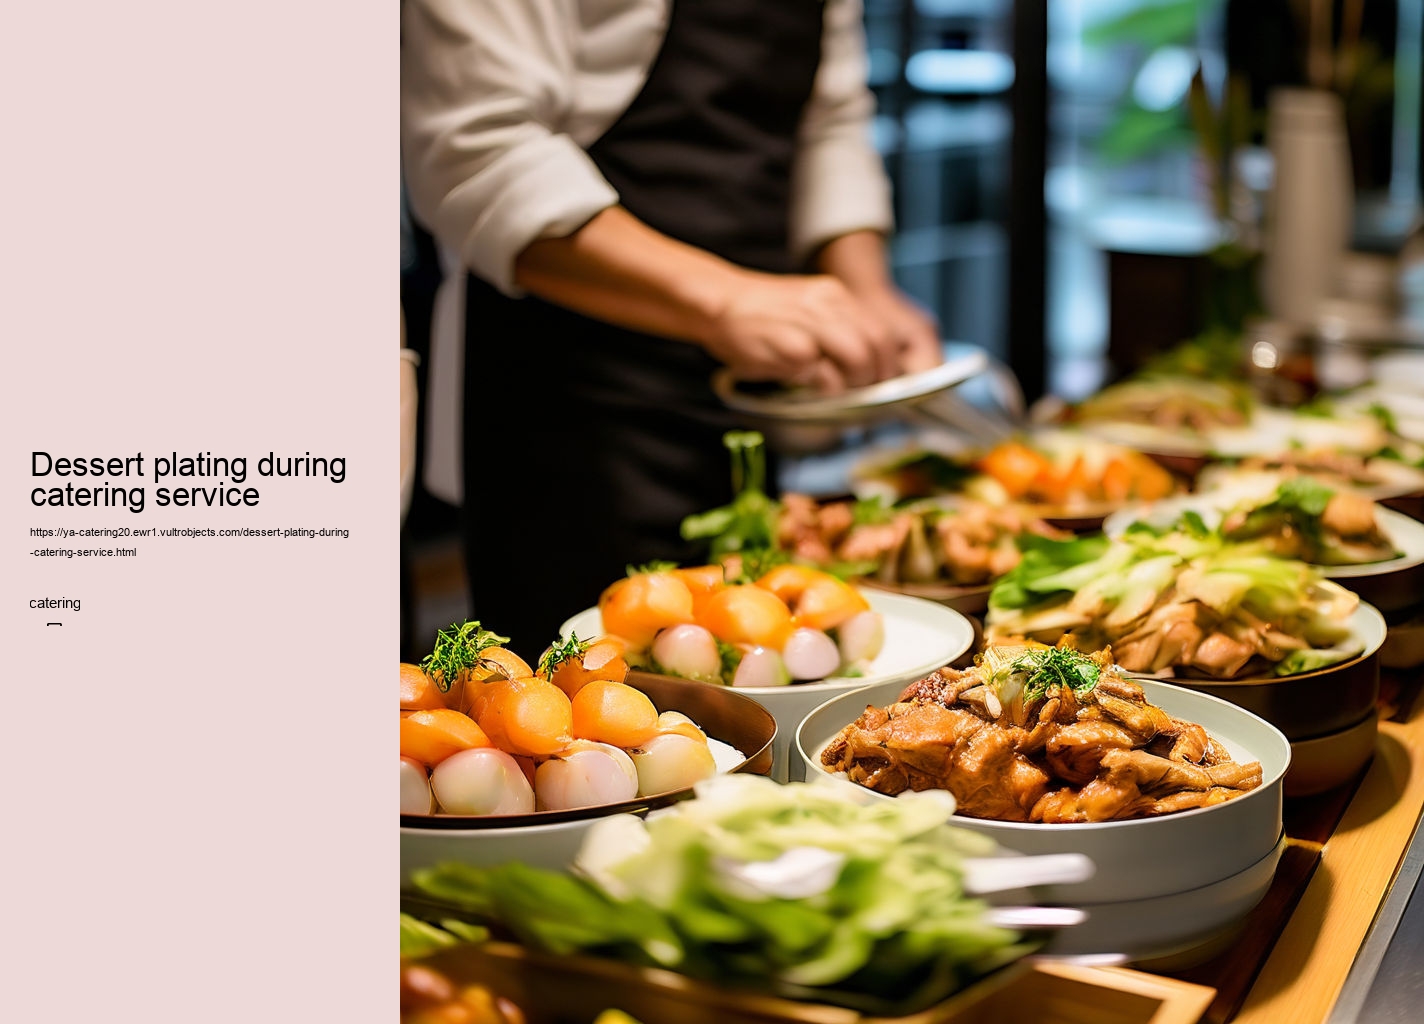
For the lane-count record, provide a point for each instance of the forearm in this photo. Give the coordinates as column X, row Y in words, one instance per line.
column 858, row 259
column 617, row 269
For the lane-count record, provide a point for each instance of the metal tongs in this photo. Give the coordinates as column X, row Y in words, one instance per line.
column 981, row 426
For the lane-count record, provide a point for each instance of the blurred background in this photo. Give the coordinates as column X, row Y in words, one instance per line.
column 1065, row 200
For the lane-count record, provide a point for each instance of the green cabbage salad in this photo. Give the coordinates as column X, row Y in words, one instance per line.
column 1187, row 584
column 807, row 890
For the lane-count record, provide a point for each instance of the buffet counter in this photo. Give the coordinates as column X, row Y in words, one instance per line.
column 1308, row 954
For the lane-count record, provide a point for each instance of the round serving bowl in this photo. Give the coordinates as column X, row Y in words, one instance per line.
column 965, row 600
column 920, row 636
column 1396, row 583
column 1332, row 760
column 550, row 838
column 1139, row 859
column 1187, row 927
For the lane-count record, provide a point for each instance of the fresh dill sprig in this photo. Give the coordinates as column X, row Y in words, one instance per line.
column 457, row 649
column 568, row 650
column 1056, row 667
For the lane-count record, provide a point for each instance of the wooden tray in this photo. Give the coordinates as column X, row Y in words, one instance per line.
column 575, row 989
column 1289, row 959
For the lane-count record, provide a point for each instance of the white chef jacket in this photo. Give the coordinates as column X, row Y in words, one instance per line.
column 499, row 100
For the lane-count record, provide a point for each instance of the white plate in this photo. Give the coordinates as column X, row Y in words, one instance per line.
column 1396, row 479
column 1404, row 532
column 854, row 404
column 1272, row 431
column 1269, row 432
column 1146, row 437
column 920, row 636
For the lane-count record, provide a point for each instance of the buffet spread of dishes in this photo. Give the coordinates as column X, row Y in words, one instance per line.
column 801, row 772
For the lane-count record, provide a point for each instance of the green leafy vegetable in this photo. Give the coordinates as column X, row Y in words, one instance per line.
column 1385, row 415
column 1316, row 658
column 798, row 889
column 749, row 522
column 421, row 938
column 871, row 510
column 1042, row 559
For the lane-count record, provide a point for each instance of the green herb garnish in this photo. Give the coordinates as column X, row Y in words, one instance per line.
column 1053, row 668
column 458, row 648
column 567, row 650
column 756, row 563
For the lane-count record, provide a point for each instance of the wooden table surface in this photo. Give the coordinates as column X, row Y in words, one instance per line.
column 1291, row 960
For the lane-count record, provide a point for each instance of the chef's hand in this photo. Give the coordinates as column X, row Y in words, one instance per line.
column 913, row 330
column 860, row 260
column 809, row 330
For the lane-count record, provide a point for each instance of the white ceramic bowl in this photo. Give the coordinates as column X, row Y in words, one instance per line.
column 920, row 636
column 1186, row 926
column 1139, row 859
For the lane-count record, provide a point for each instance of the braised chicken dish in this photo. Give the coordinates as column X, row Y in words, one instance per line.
column 964, row 543
column 1039, row 734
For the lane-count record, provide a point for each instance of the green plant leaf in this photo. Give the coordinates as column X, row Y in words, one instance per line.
column 1160, row 24
column 1137, row 132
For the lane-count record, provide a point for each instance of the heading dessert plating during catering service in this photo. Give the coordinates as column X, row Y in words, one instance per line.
column 1038, row 733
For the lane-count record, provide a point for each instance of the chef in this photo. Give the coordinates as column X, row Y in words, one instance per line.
column 636, row 192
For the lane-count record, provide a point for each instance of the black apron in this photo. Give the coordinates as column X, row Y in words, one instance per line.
column 586, row 444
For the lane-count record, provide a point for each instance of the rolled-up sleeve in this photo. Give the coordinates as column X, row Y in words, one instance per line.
column 485, row 85
column 838, row 179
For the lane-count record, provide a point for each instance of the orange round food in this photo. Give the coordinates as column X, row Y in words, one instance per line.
column 703, row 581
column 507, row 661
column 827, row 602
column 747, row 614
column 616, row 713
column 433, row 735
column 528, row 716
column 602, row 659
column 638, row 606
column 789, row 582
column 418, row 691
column 477, row 693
